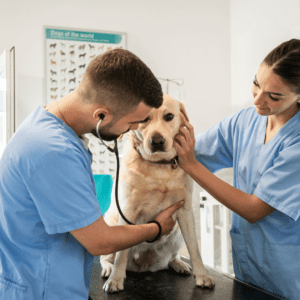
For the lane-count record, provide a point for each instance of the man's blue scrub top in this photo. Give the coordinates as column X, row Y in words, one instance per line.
column 46, row 190
column 266, row 253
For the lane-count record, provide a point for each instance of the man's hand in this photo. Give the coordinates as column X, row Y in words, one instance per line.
column 165, row 218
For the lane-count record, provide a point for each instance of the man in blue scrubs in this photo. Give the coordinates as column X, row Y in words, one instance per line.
column 51, row 225
column 262, row 144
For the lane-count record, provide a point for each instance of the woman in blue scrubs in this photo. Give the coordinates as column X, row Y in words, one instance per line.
column 262, row 145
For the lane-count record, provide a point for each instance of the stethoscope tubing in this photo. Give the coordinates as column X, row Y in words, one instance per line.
column 115, row 150
column 109, row 148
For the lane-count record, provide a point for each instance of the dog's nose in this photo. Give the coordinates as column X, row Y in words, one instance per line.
column 157, row 142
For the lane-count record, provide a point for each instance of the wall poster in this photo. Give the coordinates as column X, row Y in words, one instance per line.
column 67, row 54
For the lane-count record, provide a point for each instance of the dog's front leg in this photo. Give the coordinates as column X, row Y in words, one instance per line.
column 115, row 282
column 187, row 226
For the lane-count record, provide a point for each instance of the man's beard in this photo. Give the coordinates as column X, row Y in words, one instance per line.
column 105, row 133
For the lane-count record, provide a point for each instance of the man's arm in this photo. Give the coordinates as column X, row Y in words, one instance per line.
column 99, row 238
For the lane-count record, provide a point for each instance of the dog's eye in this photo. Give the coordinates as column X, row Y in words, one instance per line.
column 146, row 120
column 169, row 117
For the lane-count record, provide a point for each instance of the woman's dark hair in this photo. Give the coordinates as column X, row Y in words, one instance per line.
column 123, row 80
column 285, row 62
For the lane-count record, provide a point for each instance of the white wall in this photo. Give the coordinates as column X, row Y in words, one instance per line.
column 257, row 27
column 216, row 46
column 176, row 39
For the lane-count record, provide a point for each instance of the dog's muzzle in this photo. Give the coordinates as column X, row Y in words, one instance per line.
column 157, row 143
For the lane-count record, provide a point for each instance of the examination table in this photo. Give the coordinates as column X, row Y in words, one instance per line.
column 168, row 285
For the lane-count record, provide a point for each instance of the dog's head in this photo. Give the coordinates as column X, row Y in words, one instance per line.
column 154, row 138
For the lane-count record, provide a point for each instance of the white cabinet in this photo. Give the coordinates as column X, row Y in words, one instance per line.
column 215, row 221
column 7, row 108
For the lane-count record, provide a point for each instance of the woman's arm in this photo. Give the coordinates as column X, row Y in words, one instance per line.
column 247, row 206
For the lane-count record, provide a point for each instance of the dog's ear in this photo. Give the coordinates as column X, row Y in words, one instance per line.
column 183, row 112
column 132, row 136
column 182, row 119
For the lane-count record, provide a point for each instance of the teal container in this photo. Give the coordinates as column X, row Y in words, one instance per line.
column 104, row 185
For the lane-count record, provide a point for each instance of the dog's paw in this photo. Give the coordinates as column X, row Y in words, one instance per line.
column 106, row 269
column 114, row 284
column 180, row 266
column 204, row 281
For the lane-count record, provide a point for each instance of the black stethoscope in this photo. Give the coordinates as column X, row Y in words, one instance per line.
column 115, row 150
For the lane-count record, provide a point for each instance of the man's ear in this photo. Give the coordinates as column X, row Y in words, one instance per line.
column 104, row 113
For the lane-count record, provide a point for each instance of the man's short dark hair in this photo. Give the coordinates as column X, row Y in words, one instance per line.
column 120, row 79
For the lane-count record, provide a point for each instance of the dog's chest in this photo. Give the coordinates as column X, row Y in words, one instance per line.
column 153, row 191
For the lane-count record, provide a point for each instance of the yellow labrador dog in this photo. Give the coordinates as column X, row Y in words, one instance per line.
column 151, row 181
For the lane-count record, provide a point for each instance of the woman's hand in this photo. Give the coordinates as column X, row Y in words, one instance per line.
column 184, row 143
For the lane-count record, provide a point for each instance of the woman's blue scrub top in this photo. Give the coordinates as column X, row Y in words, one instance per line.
column 266, row 253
